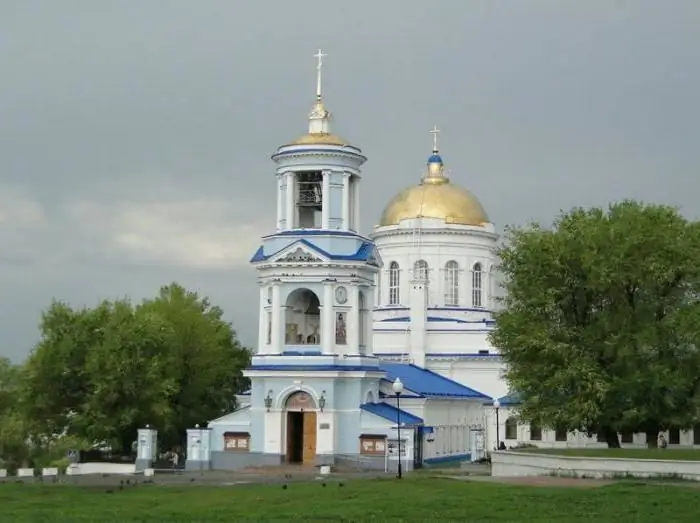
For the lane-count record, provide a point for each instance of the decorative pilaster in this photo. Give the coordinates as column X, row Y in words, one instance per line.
column 328, row 319
column 277, row 321
column 353, row 329
column 262, row 321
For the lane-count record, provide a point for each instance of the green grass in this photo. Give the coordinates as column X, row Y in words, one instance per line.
column 411, row 499
column 674, row 454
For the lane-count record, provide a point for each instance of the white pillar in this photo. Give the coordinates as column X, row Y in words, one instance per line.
column 277, row 321
column 280, row 202
column 327, row 320
column 418, row 317
column 325, row 196
column 291, row 208
column 356, row 204
column 369, row 304
column 353, row 327
column 262, row 322
column 346, row 202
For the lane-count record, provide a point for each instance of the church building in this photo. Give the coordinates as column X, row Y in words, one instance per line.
column 320, row 394
column 372, row 351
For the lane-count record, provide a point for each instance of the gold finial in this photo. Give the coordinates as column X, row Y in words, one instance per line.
column 320, row 55
column 435, row 131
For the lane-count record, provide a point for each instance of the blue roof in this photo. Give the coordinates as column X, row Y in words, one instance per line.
column 389, row 412
column 435, row 158
column 509, row 400
column 366, row 252
column 428, row 383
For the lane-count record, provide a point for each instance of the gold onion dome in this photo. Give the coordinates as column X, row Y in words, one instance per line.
column 435, row 197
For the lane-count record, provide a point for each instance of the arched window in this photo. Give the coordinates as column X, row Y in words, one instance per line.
column 420, row 270
column 535, row 431
column 451, row 284
column 511, row 428
column 476, row 286
column 394, row 282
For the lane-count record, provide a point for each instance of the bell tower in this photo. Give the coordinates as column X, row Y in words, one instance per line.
column 318, row 175
column 316, row 272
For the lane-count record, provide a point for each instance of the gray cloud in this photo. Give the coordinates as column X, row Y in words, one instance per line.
column 135, row 137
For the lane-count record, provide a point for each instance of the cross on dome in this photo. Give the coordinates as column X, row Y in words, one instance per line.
column 320, row 55
column 435, row 131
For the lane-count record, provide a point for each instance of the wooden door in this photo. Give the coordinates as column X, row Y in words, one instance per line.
column 309, row 441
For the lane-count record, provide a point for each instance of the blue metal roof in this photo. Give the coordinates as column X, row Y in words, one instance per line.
column 509, row 400
column 428, row 383
column 435, row 158
column 389, row 412
column 366, row 252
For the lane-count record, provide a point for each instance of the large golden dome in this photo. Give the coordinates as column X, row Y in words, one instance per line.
column 435, row 197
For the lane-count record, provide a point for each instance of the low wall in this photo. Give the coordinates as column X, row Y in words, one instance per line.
column 100, row 468
column 509, row 463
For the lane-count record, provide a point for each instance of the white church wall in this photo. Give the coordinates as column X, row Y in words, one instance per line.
column 483, row 374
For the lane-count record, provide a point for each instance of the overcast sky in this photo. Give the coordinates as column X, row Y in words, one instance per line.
column 135, row 136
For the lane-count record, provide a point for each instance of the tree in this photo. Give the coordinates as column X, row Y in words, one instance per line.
column 14, row 448
column 99, row 374
column 600, row 329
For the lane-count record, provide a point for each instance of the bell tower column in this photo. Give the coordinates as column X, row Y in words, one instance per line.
column 276, row 338
column 290, row 207
column 327, row 320
column 325, row 200
column 346, row 201
column 280, row 202
column 262, row 322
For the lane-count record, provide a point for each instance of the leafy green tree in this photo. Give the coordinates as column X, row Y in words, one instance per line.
column 99, row 374
column 601, row 321
column 14, row 448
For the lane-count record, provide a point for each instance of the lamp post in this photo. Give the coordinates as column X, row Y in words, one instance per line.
column 398, row 389
column 497, row 405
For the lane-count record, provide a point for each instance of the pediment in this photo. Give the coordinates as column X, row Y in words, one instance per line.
column 298, row 253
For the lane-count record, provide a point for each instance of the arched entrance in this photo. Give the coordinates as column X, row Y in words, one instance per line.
column 300, row 410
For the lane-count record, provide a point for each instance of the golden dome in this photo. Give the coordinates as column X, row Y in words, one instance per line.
column 435, row 197
column 320, row 139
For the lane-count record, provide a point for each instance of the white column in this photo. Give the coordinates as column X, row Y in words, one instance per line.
column 277, row 320
column 327, row 320
column 325, row 196
column 353, row 328
column 356, row 204
column 369, row 327
column 280, row 202
column 291, row 208
column 262, row 322
column 418, row 319
column 346, row 202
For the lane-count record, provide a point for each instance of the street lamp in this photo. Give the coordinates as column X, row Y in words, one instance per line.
column 497, row 405
column 322, row 400
column 398, row 389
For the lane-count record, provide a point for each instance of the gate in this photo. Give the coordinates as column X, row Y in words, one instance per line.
column 418, row 447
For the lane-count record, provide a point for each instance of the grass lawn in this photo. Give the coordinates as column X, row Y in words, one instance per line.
column 411, row 499
column 639, row 453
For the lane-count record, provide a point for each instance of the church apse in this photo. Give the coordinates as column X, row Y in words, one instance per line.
column 303, row 321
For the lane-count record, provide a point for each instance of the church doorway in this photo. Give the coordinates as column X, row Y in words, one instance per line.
column 301, row 429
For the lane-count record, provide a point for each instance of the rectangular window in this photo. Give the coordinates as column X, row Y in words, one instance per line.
column 237, row 442
column 535, row 432
column 696, row 434
column 627, row 437
column 371, row 444
column 674, row 436
column 560, row 435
